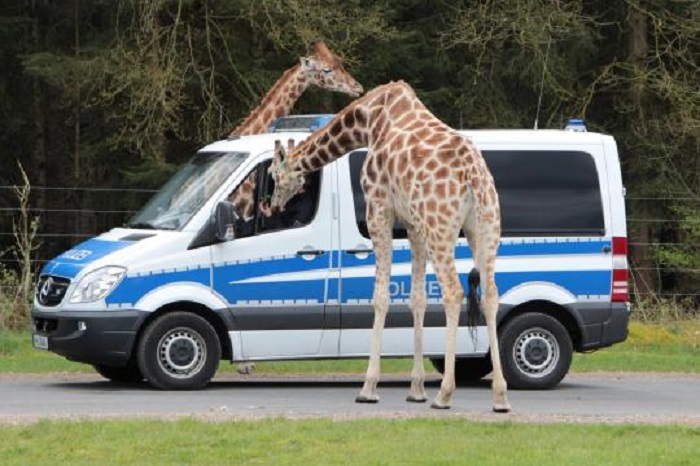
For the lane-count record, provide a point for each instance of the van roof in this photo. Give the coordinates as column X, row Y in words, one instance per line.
column 261, row 142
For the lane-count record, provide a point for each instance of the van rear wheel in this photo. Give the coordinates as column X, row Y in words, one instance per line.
column 467, row 370
column 179, row 351
column 536, row 351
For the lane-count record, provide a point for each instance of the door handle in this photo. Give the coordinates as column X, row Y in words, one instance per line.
column 310, row 252
column 360, row 251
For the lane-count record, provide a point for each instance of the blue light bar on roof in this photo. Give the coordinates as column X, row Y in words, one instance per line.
column 300, row 123
column 576, row 125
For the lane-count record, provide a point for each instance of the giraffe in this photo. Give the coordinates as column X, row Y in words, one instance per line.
column 435, row 181
column 323, row 69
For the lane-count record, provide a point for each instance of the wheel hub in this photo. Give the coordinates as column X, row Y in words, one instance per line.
column 536, row 352
column 182, row 352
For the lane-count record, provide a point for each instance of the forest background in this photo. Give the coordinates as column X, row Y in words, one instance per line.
column 102, row 100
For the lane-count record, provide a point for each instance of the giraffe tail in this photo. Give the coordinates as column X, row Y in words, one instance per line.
column 473, row 299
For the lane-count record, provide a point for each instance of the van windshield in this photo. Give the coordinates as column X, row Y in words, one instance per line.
column 187, row 191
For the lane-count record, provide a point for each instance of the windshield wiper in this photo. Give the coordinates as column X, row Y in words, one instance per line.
column 141, row 226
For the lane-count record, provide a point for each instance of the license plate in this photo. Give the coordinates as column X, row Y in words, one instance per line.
column 41, row 342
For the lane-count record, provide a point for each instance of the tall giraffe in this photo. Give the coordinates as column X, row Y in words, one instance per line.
column 435, row 181
column 322, row 68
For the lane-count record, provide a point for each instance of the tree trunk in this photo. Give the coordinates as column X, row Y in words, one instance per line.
column 636, row 44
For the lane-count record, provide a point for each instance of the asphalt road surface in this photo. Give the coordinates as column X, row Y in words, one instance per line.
column 611, row 398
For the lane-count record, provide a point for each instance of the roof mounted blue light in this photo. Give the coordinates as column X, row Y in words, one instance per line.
column 300, row 123
column 576, row 125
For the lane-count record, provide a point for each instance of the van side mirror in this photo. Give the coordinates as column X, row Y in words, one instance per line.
column 224, row 219
column 219, row 228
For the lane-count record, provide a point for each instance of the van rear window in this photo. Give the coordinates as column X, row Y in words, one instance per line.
column 542, row 193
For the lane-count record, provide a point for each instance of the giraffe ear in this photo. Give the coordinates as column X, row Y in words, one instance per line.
column 308, row 64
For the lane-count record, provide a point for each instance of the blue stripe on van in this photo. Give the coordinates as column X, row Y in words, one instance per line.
column 133, row 288
column 578, row 283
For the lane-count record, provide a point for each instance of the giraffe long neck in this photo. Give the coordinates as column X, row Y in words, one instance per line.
column 357, row 125
column 348, row 130
column 278, row 102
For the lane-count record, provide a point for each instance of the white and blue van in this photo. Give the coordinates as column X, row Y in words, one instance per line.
column 188, row 283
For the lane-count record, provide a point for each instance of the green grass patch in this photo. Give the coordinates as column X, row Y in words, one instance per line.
column 673, row 347
column 376, row 441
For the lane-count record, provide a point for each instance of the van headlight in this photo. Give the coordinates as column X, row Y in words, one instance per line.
column 97, row 284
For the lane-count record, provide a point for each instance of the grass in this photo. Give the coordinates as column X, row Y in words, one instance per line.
column 650, row 348
column 377, row 441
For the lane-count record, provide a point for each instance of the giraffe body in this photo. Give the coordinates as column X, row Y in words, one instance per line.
column 435, row 181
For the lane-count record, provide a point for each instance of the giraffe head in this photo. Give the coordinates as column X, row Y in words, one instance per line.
column 287, row 181
column 325, row 69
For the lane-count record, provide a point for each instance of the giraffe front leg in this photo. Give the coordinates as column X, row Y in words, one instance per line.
column 418, row 305
column 382, row 250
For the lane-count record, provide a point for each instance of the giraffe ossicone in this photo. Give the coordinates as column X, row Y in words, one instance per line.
column 434, row 180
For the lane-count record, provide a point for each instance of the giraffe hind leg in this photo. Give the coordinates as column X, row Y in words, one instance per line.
column 418, row 305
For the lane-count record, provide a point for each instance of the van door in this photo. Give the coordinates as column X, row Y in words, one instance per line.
column 275, row 273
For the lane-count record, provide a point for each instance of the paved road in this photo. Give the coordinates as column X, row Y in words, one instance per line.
column 648, row 398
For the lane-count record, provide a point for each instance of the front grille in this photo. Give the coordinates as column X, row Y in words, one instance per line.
column 50, row 291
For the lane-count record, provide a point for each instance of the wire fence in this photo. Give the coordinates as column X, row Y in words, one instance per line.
column 63, row 223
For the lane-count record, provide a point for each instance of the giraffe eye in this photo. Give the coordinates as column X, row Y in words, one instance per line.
column 327, row 70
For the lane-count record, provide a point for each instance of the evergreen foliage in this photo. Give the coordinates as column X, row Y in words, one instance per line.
column 101, row 93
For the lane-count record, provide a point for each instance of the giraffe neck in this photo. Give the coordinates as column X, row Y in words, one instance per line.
column 278, row 102
column 348, row 130
column 354, row 127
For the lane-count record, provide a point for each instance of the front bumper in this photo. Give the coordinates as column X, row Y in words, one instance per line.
column 99, row 337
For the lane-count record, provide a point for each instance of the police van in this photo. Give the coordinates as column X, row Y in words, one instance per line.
column 187, row 282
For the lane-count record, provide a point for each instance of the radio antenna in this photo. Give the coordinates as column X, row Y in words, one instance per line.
column 544, row 68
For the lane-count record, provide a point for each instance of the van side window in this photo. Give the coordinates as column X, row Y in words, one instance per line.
column 547, row 193
column 542, row 193
column 357, row 160
column 258, row 186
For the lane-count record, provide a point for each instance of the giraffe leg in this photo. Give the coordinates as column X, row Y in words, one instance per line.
column 381, row 238
column 490, row 234
column 418, row 305
column 452, row 295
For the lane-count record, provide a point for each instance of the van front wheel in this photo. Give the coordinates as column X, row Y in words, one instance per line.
column 179, row 351
column 129, row 373
column 536, row 351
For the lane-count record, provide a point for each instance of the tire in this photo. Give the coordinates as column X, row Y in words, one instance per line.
column 121, row 374
column 536, row 351
column 179, row 351
column 467, row 370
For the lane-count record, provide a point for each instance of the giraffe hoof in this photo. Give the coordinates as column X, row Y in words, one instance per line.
column 435, row 405
column 366, row 399
column 501, row 409
column 416, row 399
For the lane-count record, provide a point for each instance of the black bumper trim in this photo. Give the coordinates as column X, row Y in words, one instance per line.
column 108, row 337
